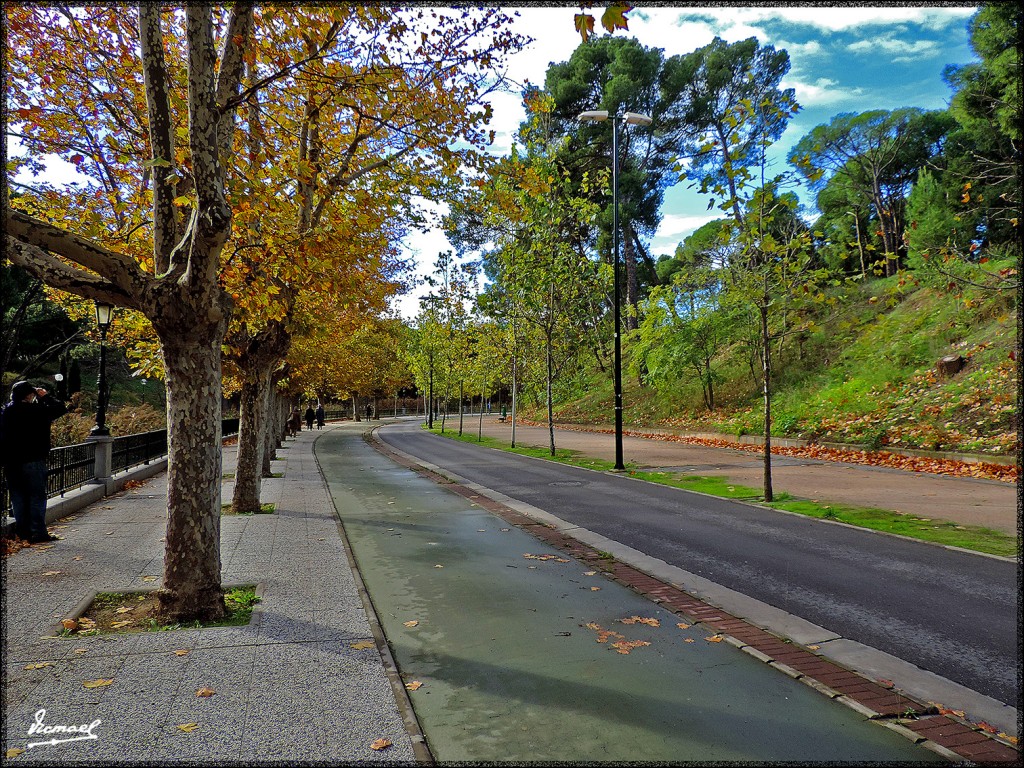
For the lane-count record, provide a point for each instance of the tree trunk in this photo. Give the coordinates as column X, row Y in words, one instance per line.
column 632, row 278
column 766, row 372
column 251, row 444
column 192, row 360
column 551, row 410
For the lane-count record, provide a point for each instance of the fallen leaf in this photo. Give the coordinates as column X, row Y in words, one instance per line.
column 149, row 578
column 1008, row 737
column 595, row 589
column 205, row 692
column 51, row 573
column 481, row 530
column 439, row 566
column 380, row 744
column 683, row 626
column 125, row 609
column 625, row 646
column 109, row 533
column 505, row 530
column 188, row 727
column 641, row 620
column 986, row 727
column 887, row 683
column 689, row 640
column 81, row 650
column 714, row 639
column 415, row 685
column 362, row 645
column 40, row 665
column 590, row 573
column 71, row 624
column 412, row 623
column 119, row 624
column 14, row 752
column 101, row 683
column 76, row 559
column 814, row 647
column 182, row 652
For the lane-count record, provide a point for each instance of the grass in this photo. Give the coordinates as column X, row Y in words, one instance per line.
column 265, row 509
column 121, row 612
column 975, row 538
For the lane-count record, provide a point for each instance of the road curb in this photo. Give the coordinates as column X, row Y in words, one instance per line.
column 879, row 701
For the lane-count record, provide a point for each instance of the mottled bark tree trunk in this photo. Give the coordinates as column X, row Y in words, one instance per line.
column 766, row 371
column 249, row 466
column 192, row 587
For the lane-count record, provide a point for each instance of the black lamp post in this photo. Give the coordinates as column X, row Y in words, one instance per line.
column 104, row 315
column 630, row 118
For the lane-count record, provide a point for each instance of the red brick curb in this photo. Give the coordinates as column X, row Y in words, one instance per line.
column 923, row 724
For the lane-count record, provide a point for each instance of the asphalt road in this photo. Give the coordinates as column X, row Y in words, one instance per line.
column 949, row 612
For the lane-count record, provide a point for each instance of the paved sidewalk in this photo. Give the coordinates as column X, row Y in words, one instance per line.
column 966, row 501
column 289, row 686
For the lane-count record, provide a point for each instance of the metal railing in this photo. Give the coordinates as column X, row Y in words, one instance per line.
column 72, row 466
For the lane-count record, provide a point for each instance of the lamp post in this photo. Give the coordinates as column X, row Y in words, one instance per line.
column 630, row 118
column 104, row 315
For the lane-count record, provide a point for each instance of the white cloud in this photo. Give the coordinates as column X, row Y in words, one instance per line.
column 675, row 228
column 899, row 50
column 821, row 92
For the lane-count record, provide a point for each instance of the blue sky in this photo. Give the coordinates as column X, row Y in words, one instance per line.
column 842, row 59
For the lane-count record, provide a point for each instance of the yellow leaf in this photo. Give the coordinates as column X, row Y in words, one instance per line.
column 101, row 683
column 595, row 589
column 689, row 640
column 125, row 609
column 71, row 624
column 81, row 650
column 814, row 647
column 714, row 639
column 182, row 652
column 14, row 752
column 362, row 644
column 414, row 685
column 410, row 623
column 590, row 573
column 683, row 626
column 149, row 578
column 51, row 573
column 119, row 624
column 40, row 665
column 205, row 692
column 380, row 744
column 188, row 727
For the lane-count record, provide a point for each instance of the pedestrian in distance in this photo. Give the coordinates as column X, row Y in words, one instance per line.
column 320, row 416
column 310, row 415
column 294, row 422
column 24, row 446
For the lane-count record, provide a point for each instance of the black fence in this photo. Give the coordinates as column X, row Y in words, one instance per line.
column 72, row 466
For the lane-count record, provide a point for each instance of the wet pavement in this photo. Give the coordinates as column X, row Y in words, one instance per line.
column 507, row 648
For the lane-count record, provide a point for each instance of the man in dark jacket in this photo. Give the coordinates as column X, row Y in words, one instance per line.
column 25, row 426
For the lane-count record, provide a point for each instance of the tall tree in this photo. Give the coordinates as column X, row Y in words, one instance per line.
column 879, row 152
column 618, row 75
column 176, row 284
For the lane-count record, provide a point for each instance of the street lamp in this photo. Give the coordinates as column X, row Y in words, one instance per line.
column 104, row 315
column 630, row 118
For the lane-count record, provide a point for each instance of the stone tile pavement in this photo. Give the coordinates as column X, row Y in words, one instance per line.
column 289, row 686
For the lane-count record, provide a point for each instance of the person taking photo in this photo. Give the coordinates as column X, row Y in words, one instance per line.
column 24, row 446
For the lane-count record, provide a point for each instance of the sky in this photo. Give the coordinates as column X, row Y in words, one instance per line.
column 843, row 58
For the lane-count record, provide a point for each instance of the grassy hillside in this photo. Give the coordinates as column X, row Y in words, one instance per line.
column 867, row 376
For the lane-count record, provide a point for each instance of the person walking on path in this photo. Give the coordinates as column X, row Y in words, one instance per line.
column 310, row 415
column 320, row 416
column 25, row 444
column 294, row 423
